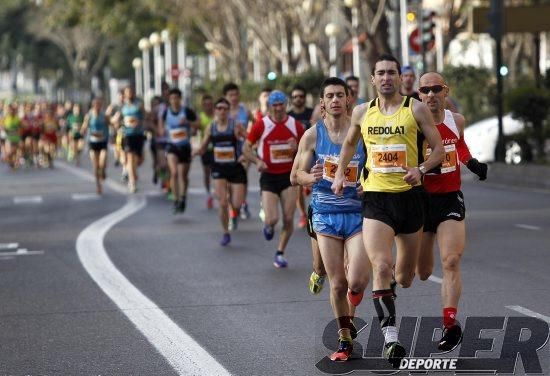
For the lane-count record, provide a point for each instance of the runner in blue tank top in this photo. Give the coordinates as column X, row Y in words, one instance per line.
column 178, row 124
column 132, row 122
column 242, row 116
column 337, row 220
column 96, row 127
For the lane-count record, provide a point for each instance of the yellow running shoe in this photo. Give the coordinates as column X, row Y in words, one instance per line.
column 316, row 282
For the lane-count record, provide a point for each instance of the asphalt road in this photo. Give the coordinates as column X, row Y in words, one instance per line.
column 251, row 318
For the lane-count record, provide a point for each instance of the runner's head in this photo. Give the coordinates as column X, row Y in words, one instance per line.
column 277, row 102
column 174, row 98
column 408, row 78
column 353, row 84
column 128, row 94
column 76, row 109
column 222, row 109
column 207, row 103
column 264, row 94
column 386, row 75
column 334, row 96
column 231, row 93
column 97, row 103
column 433, row 91
column 298, row 96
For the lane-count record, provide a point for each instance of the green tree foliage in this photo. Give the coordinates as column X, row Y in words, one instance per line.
column 531, row 105
column 474, row 89
column 250, row 90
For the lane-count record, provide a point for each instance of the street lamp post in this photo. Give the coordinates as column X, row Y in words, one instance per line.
column 137, row 64
column 144, row 46
column 155, row 41
column 181, row 61
column 165, row 36
column 331, row 31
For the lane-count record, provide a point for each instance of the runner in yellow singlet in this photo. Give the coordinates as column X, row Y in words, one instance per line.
column 393, row 203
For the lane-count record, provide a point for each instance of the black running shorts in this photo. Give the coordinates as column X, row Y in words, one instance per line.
column 442, row 207
column 233, row 173
column 275, row 183
column 97, row 146
column 133, row 144
column 403, row 211
column 183, row 152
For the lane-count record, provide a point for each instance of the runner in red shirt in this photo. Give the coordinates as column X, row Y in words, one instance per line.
column 277, row 136
column 445, row 210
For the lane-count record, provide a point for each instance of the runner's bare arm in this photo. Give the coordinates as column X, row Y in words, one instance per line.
column 85, row 124
column 204, row 143
column 294, row 171
column 304, row 176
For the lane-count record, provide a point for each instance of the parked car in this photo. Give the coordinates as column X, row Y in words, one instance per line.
column 481, row 138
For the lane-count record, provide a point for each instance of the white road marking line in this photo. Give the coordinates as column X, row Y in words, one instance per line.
column 435, row 279
column 27, row 199
column 185, row 355
column 9, row 245
column 528, row 312
column 527, row 227
column 2, row 258
column 21, row 252
column 85, row 196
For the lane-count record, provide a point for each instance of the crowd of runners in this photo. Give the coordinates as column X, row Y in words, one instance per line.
column 364, row 175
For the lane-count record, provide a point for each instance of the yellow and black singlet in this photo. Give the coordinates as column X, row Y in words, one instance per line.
column 391, row 141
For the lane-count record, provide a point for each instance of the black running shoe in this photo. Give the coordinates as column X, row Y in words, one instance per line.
column 182, row 205
column 452, row 337
column 394, row 352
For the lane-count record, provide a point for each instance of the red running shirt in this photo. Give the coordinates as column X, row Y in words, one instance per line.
column 446, row 178
column 273, row 142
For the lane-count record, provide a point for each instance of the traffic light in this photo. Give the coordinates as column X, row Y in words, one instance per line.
column 427, row 27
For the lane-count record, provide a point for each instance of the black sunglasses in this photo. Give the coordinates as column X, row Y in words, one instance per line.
column 436, row 89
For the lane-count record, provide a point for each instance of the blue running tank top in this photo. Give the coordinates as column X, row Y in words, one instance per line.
column 242, row 116
column 323, row 200
column 132, row 119
column 98, row 129
column 178, row 134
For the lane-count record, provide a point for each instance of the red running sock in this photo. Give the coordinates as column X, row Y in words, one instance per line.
column 449, row 316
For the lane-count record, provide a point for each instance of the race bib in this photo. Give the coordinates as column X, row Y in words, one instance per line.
column 130, row 121
column 224, row 154
column 330, row 165
column 281, row 153
column 97, row 137
column 450, row 161
column 178, row 134
column 388, row 158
